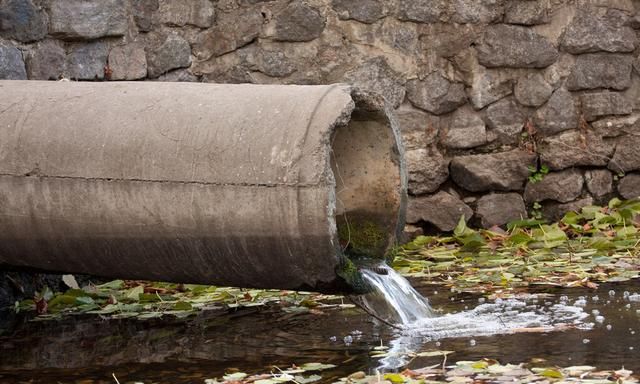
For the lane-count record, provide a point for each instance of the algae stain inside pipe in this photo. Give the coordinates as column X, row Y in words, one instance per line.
column 244, row 185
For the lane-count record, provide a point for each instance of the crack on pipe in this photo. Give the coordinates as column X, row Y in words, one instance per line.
column 36, row 174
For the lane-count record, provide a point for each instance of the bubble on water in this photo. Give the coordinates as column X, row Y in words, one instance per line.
column 438, row 343
column 356, row 332
column 595, row 312
column 348, row 340
column 600, row 319
column 481, row 300
column 586, row 341
column 547, row 303
column 633, row 332
column 564, row 298
column 333, row 339
column 628, row 306
column 608, row 327
column 580, row 303
column 625, row 294
column 472, row 342
column 635, row 297
column 631, row 348
column 435, row 292
column 595, row 298
column 612, row 293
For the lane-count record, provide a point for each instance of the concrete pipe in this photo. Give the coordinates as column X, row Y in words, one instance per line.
column 245, row 185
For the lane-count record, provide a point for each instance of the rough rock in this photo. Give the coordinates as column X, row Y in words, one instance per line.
column 22, row 20
column 46, row 60
column 87, row 19
column 532, row 90
column 143, row 11
column 421, row 11
column 199, row 13
column 180, row 76
column 128, row 62
column 377, row 76
column 599, row 182
column 615, row 126
column 233, row 30
column 489, row 86
column 629, row 186
column 436, row 94
column 465, row 130
column 419, row 129
column 500, row 208
column 476, row 12
column 527, row 12
column 11, row 63
column 506, row 118
column 166, row 54
column 87, row 61
column 442, row 210
column 558, row 114
column 271, row 63
column 574, row 148
column 515, row 47
column 595, row 29
column 564, row 186
column 601, row 70
column 427, row 169
column 504, row 171
column 299, row 22
column 365, row 11
column 554, row 211
column 447, row 40
column 596, row 105
column 626, row 157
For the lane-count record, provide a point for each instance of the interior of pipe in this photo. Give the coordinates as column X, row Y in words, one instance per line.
column 366, row 166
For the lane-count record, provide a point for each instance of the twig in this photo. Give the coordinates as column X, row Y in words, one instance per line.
column 115, row 378
column 357, row 304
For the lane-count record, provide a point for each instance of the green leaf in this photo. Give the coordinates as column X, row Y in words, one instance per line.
column 462, row 229
column 395, row 378
column 235, row 376
column 551, row 373
column 113, row 285
column 316, row 366
column 182, row 306
column 134, row 293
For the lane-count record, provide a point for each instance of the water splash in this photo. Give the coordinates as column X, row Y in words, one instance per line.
column 394, row 300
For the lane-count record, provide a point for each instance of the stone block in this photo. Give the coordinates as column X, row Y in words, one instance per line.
column 299, row 22
column 601, row 70
column 376, row 75
column 558, row 114
column 22, row 20
column 532, row 90
column 436, row 94
column 596, row 29
column 427, row 170
column 575, row 148
column 596, row 105
column 515, row 47
column 442, row 210
column 166, row 54
column 11, row 63
column 128, row 62
column 503, row 171
column 87, row 19
column 563, row 186
column 500, row 208
column 46, row 60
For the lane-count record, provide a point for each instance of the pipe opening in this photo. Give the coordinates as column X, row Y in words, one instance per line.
column 369, row 185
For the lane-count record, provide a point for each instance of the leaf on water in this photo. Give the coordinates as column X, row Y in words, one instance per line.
column 434, row 353
column 134, row 293
column 395, row 378
column 113, row 285
column 70, row 281
column 182, row 306
column 316, row 366
column 308, row 379
column 552, row 373
column 235, row 376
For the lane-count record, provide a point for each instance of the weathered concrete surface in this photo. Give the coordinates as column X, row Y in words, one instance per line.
column 202, row 183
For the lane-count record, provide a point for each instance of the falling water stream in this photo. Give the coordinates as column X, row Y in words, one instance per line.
column 394, row 300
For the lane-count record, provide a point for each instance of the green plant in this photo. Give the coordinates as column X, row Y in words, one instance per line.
column 536, row 211
column 536, row 174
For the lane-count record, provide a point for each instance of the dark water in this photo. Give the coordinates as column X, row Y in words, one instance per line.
column 88, row 349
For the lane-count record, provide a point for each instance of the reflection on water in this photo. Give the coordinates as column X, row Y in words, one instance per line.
column 189, row 350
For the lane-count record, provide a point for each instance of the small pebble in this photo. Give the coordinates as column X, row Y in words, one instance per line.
column 357, row 375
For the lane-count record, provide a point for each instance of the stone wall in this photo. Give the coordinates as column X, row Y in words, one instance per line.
column 488, row 93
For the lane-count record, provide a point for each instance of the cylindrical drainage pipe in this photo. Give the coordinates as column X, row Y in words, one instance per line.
column 245, row 185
